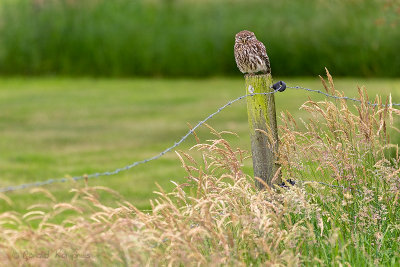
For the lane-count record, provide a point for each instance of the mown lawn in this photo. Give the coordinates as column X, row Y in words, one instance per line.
column 58, row 127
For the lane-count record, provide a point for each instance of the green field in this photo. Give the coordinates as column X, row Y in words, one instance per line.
column 58, row 127
column 92, row 87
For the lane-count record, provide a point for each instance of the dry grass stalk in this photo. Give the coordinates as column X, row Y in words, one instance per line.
column 219, row 218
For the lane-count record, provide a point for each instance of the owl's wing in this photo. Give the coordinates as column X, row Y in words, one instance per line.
column 263, row 54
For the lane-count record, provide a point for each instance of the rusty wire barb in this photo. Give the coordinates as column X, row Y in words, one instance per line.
column 191, row 131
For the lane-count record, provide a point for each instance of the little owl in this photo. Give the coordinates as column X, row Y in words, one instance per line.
column 250, row 54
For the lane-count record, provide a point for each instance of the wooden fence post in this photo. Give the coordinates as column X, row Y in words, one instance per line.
column 263, row 128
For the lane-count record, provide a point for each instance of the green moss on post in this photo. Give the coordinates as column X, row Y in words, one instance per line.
column 263, row 128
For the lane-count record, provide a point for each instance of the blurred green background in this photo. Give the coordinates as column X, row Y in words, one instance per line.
column 196, row 37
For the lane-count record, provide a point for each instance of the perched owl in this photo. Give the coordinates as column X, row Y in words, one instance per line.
column 250, row 54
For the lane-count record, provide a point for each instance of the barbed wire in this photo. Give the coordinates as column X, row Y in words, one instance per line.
column 330, row 185
column 191, row 131
column 116, row 171
column 339, row 97
column 289, row 182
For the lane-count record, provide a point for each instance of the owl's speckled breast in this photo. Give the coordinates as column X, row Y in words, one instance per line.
column 250, row 54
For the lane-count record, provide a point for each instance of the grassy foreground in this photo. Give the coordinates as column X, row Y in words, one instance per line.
column 217, row 216
column 51, row 128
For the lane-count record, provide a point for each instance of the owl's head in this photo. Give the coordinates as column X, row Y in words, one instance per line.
column 244, row 36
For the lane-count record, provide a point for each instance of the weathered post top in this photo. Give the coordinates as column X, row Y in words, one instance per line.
column 263, row 128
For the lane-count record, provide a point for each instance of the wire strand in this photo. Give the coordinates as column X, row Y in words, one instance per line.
column 134, row 164
column 338, row 97
column 180, row 141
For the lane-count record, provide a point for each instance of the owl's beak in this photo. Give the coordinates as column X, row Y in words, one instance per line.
column 244, row 41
